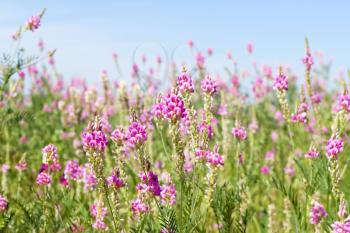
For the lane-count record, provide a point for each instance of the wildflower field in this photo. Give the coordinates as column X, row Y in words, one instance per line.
column 201, row 153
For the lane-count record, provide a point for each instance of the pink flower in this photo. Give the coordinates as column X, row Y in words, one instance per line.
column 308, row 61
column 289, row 170
column 185, row 83
column 208, row 85
column 250, row 48
column 281, row 83
column 49, row 154
column 139, row 206
column 21, row 74
column 210, row 51
column 301, row 114
column 344, row 102
column 94, row 140
column 21, row 166
column 317, row 213
column 270, row 156
column 190, row 43
column 316, row 98
column 200, row 59
column 168, row 194
column 239, row 133
column 312, row 153
column 33, row 22
column 114, row 181
column 98, row 211
column 137, row 134
column 173, row 107
column 3, row 203
column 214, row 158
column 339, row 227
column 118, row 136
column 43, row 179
column 265, row 169
column 334, row 147
column 72, row 170
column 5, row 168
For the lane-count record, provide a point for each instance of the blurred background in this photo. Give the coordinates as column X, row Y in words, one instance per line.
column 86, row 34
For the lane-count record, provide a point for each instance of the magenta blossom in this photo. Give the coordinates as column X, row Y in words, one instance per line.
column 208, row 85
column 334, row 147
column 94, row 140
column 173, row 107
column 239, row 133
column 33, row 23
column 317, row 213
column 185, row 83
column 43, row 179
column 344, row 102
column 281, row 83
column 3, row 203
column 137, row 134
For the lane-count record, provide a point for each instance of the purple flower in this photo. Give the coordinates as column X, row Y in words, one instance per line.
column 114, row 181
column 151, row 180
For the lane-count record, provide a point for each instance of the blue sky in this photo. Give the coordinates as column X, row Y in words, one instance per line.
column 85, row 33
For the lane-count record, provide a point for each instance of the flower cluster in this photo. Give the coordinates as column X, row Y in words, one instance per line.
column 3, row 203
column 136, row 134
column 312, row 153
column 33, row 23
column 118, row 136
column 168, row 194
column 341, row 227
column 334, row 147
column 308, row 61
column 208, row 85
column 344, row 102
column 213, row 158
column 94, row 140
column 317, row 213
column 240, row 133
column 281, row 83
column 301, row 114
column 173, row 107
column 114, row 180
column 185, row 83
column 98, row 211
column 43, row 179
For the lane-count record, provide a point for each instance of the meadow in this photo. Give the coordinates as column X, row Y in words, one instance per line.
column 202, row 153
